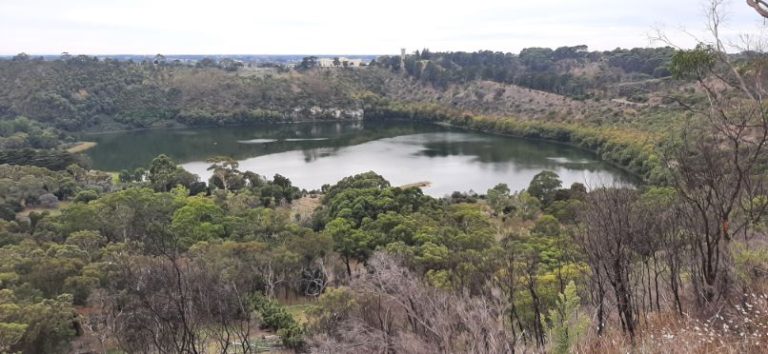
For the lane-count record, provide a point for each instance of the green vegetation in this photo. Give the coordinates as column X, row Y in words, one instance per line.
column 635, row 150
column 100, row 244
column 89, row 252
column 22, row 133
column 155, row 260
column 572, row 71
column 211, row 261
column 30, row 186
column 568, row 323
column 276, row 318
column 84, row 93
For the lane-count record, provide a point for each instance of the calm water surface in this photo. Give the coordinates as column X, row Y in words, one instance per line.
column 314, row 154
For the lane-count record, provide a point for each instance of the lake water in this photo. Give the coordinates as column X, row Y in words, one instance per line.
column 313, row 154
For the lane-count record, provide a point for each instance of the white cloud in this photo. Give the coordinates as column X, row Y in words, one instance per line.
column 340, row 26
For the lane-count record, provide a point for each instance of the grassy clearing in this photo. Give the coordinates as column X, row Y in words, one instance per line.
column 302, row 209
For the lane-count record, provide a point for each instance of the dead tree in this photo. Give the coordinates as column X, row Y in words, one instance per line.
column 608, row 238
column 760, row 6
column 718, row 167
column 666, row 228
column 168, row 304
column 398, row 313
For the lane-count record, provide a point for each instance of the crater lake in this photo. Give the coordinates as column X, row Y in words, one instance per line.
column 404, row 152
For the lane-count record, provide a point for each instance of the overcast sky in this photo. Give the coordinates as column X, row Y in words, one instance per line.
column 342, row 26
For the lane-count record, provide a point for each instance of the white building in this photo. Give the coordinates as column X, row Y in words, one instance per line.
column 340, row 62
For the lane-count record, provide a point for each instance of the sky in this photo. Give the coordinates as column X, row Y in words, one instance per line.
column 349, row 27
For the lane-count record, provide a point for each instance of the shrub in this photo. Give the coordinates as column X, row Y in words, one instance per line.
column 568, row 324
column 276, row 318
column 86, row 196
column 48, row 201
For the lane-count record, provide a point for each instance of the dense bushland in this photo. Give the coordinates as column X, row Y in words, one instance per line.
column 572, row 71
column 155, row 260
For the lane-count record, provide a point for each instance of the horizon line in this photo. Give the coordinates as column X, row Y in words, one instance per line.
column 315, row 54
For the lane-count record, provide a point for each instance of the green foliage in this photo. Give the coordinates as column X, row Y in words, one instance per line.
column 10, row 334
column 22, row 132
column 228, row 178
column 86, row 196
column 127, row 215
column 278, row 190
column 499, row 198
column 51, row 159
column 367, row 180
column 164, row 175
column 365, row 196
column 85, row 93
column 450, row 242
column 273, row 316
column 57, row 261
column 351, row 243
column 565, row 211
column 89, row 241
column 544, row 185
column 659, row 197
column 292, row 336
column 276, row 318
column 225, row 173
column 527, row 206
column 567, row 323
column 536, row 68
column 633, row 149
column 749, row 262
column 25, row 185
column 35, row 326
column 547, row 225
column 80, row 288
column 693, row 64
column 234, row 238
column 331, row 309
column 200, row 219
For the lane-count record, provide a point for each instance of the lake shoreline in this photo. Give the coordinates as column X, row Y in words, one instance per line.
column 446, row 123
column 640, row 181
column 404, row 151
column 181, row 126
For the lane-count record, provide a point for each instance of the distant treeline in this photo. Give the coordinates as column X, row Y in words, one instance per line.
column 85, row 93
column 573, row 71
column 78, row 93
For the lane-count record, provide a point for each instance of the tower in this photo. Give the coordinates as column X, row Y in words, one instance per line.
column 402, row 58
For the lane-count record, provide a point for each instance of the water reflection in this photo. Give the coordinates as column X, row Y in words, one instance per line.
column 315, row 154
column 116, row 151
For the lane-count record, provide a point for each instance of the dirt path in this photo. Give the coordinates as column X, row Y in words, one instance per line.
column 81, row 146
